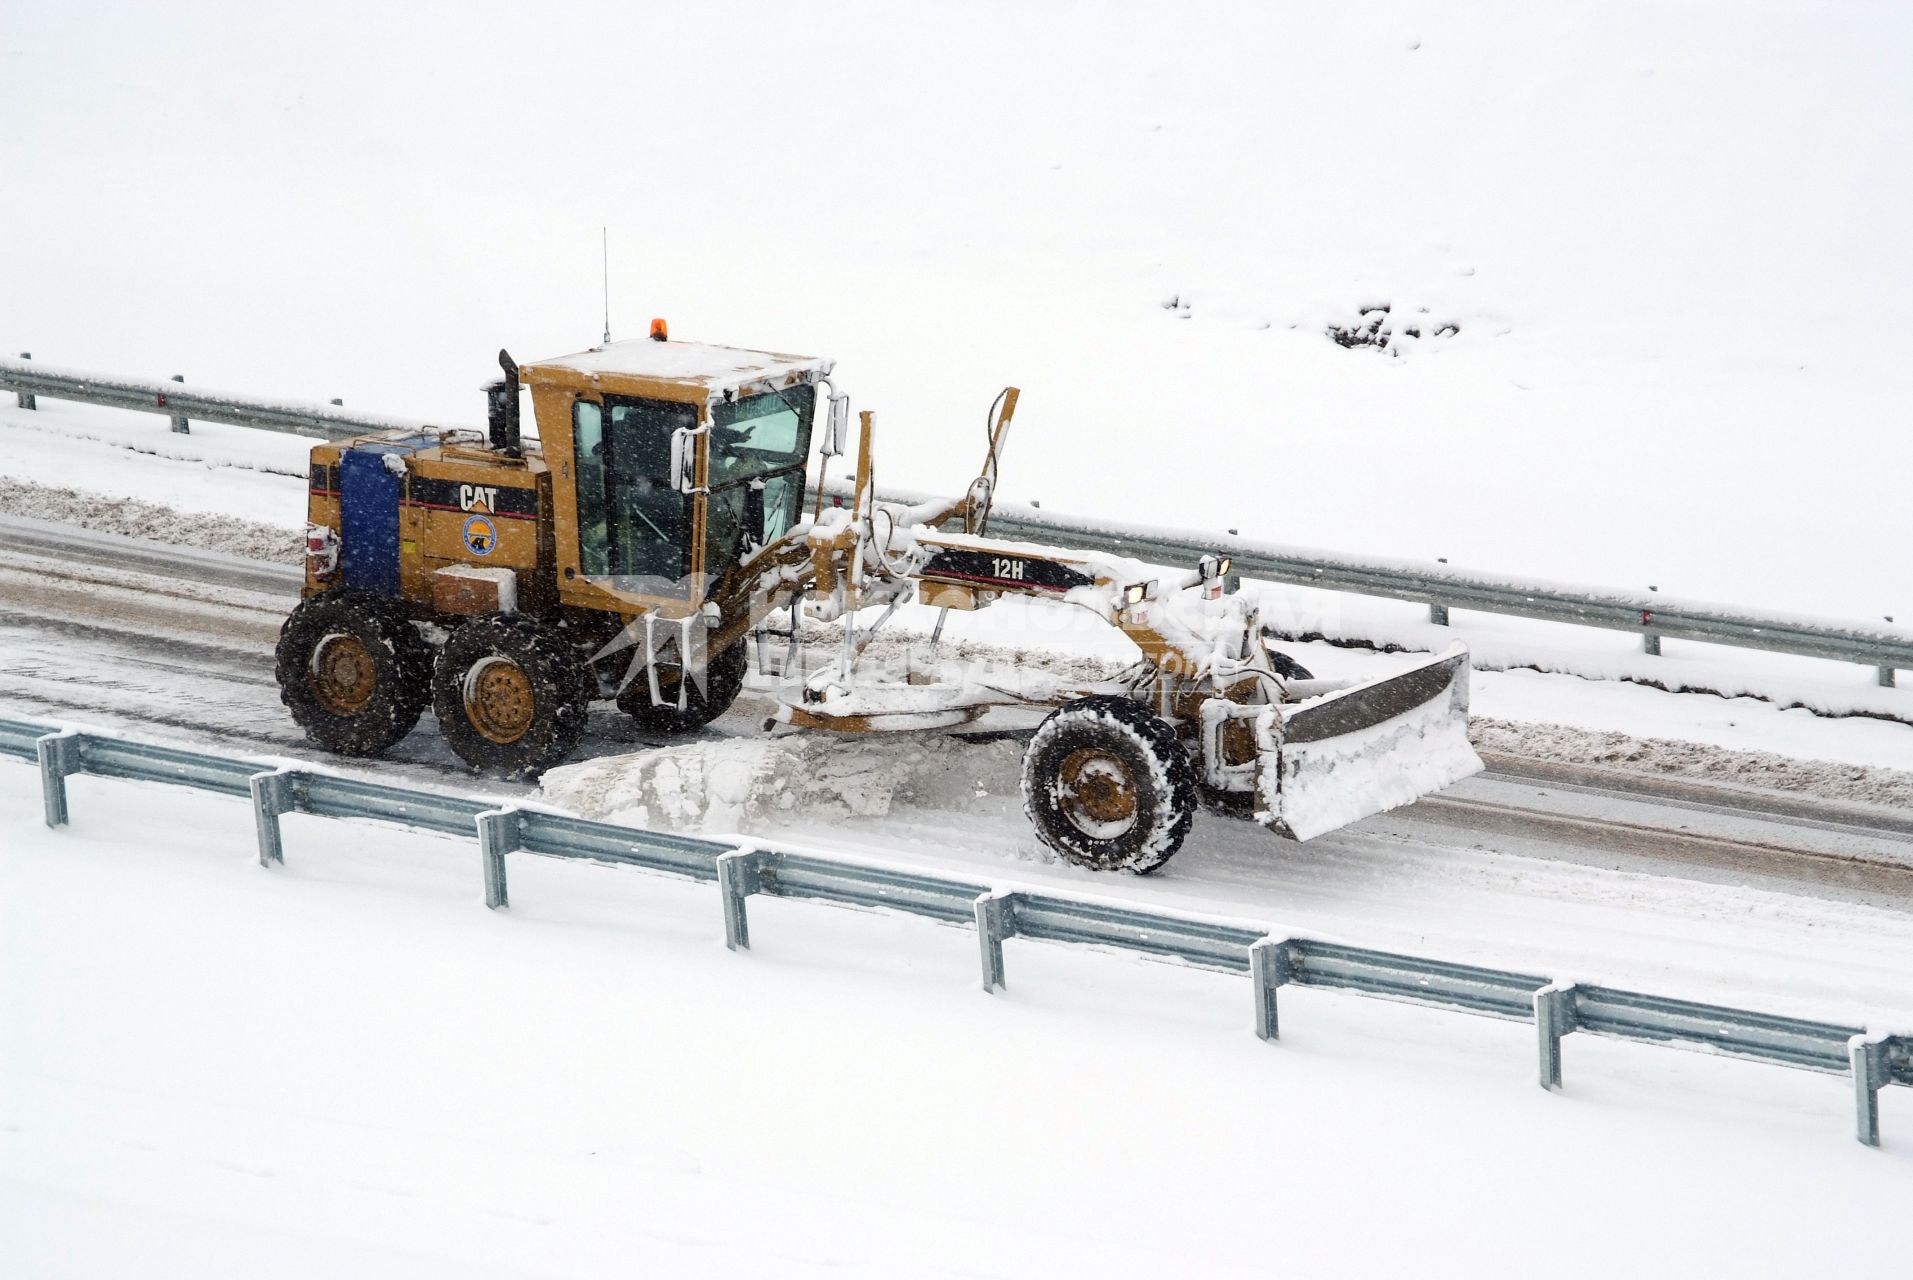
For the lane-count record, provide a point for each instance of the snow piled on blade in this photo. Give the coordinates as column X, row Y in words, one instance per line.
column 747, row 784
column 1316, row 787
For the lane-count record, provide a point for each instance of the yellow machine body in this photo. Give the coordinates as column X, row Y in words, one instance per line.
column 662, row 513
column 462, row 500
column 459, row 504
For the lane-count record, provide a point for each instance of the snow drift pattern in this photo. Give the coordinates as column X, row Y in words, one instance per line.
column 745, row 784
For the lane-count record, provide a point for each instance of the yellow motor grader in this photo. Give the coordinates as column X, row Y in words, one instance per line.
column 634, row 550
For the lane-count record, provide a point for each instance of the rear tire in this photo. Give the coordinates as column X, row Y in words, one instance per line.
column 510, row 694
column 723, row 679
column 353, row 671
column 1108, row 785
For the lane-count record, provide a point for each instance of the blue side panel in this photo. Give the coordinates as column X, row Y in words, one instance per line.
column 369, row 522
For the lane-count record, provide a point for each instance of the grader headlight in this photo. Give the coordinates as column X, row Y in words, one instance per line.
column 1214, row 572
column 1135, row 593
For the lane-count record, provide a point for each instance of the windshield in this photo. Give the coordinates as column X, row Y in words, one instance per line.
column 634, row 525
column 765, row 433
column 758, row 447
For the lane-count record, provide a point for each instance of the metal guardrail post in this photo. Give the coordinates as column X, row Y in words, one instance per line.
column 1554, row 1017
column 180, row 425
column 499, row 833
column 272, row 795
column 995, row 921
column 1872, row 1071
column 1437, row 614
column 59, row 755
column 1886, row 678
column 26, row 398
column 1872, row 1061
column 737, row 879
column 1271, row 964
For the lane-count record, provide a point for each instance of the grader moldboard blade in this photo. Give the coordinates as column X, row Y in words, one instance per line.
column 1375, row 746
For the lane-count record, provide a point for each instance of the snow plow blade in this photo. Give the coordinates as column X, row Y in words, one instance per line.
column 1374, row 746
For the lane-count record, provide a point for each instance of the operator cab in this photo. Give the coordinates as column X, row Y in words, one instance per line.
column 671, row 463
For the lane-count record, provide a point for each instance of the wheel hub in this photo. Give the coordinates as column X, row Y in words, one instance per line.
column 1097, row 793
column 499, row 700
column 342, row 674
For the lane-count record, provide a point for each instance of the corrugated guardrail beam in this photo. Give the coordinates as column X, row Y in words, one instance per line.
column 17, row 738
column 1495, row 993
column 1883, row 646
column 1050, row 918
column 1871, row 1060
column 198, row 404
column 563, row 836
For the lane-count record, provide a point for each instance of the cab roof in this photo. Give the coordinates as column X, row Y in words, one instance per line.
column 687, row 372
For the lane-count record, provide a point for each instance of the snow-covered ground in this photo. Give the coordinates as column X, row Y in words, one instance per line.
column 107, row 454
column 133, row 1124
column 348, row 1066
column 1668, row 236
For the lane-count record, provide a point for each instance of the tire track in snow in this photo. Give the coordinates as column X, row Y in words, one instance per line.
column 191, row 652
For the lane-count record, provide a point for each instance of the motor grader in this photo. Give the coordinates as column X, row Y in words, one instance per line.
column 637, row 550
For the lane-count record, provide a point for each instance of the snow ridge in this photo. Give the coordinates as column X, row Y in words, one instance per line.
column 1667, row 757
column 134, row 518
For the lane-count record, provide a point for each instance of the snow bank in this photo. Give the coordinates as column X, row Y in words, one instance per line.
column 761, row 785
column 1499, row 643
column 1667, row 757
column 136, row 518
column 748, row 784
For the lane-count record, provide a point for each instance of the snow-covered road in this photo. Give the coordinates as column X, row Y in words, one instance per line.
column 349, row 1066
column 1663, row 884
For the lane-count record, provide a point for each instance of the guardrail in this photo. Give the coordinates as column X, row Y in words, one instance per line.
column 1883, row 646
column 185, row 404
column 742, row 870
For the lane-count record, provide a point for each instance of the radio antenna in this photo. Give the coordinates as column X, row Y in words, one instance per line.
column 604, row 234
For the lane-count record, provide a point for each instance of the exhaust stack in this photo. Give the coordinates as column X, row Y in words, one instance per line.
column 501, row 402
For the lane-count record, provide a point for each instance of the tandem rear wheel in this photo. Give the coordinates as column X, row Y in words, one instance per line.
column 510, row 694
column 353, row 671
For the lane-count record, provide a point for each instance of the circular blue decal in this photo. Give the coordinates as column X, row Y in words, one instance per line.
column 481, row 536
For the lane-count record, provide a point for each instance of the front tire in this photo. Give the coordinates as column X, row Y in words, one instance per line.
column 353, row 671
column 511, row 696
column 723, row 680
column 1108, row 785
